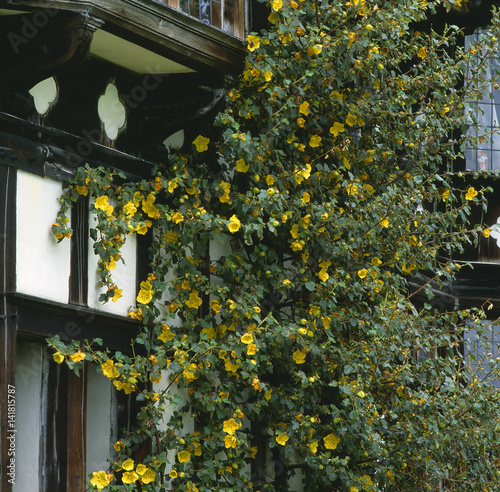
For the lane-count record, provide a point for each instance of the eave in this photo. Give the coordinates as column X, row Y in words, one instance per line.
column 157, row 27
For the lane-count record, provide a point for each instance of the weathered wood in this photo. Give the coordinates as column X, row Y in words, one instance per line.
column 78, row 285
column 234, row 17
column 9, row 468
column 40, row 319
column 52, row 152
column 50, row 390
column 8, row 180
column 159, row 28
column 76, row 432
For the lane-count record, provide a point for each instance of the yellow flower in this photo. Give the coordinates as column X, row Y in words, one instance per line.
column 128, row 465
column 191, row 487
column 362, row 273
column 352, row 37
column 317, row 48
column 230, row 441
column 215, row 305
column 135, row 314
column 331, row 441
column 408, row 268
column 301, row 122
column 296, row 246
column 117, row 294
column 173, row 474
column 184, row 456
column 201, row 143
column 231, row 426
column 102, row 204
column 299, row 357
column 234, row 224
column 445, row 195
column 253, row 43
column 148, row 207
column 126, row 387
column 251, row 349
column 276, row 5
column 241, row 166
column 471, row 193
column 177, row 217
column 486, row 233
column 82, row 190
column 323, row 275
column 247, row 338
column 58, row 357
column 282, row 439
column 352, row 488
column 376, row 261
column 253, row 451
column 304, row 108
column 141, row 469
column 77, row 356
column 385, row 223
column 109, row 370
column 144, row 296
column 422, row 52
column 352, row 189
column 256, row 384
column 99, row 480
column 351, row 119
column 118, row 446
column 148, row 477
column 194, row 301
column 313, row 446
column 130, row 477
column 110, row 265
column 315, row 141
column 337, row 128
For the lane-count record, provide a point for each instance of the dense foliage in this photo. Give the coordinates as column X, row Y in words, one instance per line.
column 281, row 243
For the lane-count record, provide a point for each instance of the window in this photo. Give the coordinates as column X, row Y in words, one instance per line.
column 486, row 154
column 481, row 351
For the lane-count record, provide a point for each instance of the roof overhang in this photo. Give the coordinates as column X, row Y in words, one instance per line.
column 148, row 36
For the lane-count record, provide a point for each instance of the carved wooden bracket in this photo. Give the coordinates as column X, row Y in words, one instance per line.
column 36, row 46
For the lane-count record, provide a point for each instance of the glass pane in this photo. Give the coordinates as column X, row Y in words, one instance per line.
column 486, row 111
column 480, row 349
column 205, row 11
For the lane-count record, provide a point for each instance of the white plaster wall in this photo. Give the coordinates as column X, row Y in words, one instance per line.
column 124, row 276
column 44, row 94
column 187, row 420
column 42, row 265
column 99, row 414
column 28, row 416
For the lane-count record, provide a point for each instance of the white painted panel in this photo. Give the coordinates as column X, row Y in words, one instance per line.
column 220, row 246
column 99, row 414
column 44, row 94
column 28, row 416
column 42, row 265
column 124, row 276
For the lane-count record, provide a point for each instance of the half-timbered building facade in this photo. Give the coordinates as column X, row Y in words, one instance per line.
column 112, row 83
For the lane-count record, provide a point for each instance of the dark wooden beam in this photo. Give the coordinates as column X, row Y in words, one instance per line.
column 7, row 325
column 52, row 152
column 76, row 431
column 39, row 319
